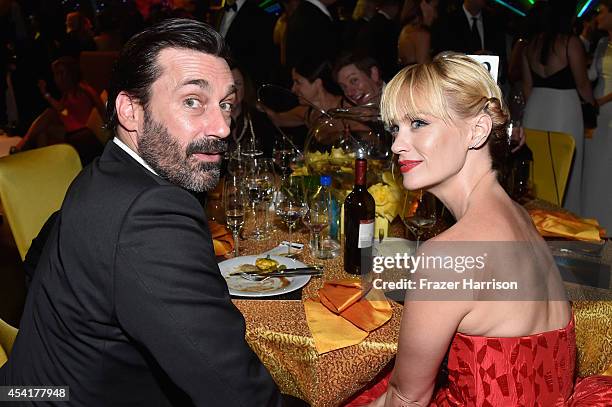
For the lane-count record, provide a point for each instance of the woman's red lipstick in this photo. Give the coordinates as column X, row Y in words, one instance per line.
column 407, row 165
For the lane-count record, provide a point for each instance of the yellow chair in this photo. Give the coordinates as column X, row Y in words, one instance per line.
column 32, row 187
column 552, row 160
column 7, row 338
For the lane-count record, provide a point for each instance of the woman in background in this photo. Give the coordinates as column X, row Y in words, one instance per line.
column 313, row 84
column 414, row 43
column 597, row 201
column 67, row 115
column 554, row 77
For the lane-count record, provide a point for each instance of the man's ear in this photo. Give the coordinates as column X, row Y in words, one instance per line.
column 375, row 74
column 480, row 130
column 129, row 112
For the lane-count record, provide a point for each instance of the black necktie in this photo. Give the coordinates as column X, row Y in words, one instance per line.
column 229, row 7
column 476, row 41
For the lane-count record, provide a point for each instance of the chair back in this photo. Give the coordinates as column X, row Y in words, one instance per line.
column 7, row 338
column 32, row 187
column 552, row 160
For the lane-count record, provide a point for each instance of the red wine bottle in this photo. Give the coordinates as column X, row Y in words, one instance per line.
column 359, row 213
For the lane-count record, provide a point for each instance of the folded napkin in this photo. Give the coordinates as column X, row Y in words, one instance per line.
column 222, row 238
column 342, row 316
column 567, row 225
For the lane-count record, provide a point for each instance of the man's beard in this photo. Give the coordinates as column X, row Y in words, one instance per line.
column 168, row 159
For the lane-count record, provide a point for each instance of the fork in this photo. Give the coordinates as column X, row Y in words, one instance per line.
column 264, row 277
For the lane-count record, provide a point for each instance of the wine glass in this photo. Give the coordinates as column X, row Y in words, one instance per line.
column 259, row 183
column 419, row 213
column 234, row 199
column 236, row 165
column 290, row 212
column 284, row 155
column 291, row 206
column 316, row 219
column 269, row 190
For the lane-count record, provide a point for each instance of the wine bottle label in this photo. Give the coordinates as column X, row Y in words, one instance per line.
column 366, row 233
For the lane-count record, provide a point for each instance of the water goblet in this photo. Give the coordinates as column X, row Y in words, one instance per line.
column 234, row 200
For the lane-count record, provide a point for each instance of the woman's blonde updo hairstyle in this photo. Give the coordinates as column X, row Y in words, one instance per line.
column 453, row 86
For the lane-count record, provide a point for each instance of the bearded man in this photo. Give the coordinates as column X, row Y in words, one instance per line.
column 127, row 306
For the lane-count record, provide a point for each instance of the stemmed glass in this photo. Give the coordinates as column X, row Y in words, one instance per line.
column 234, row 199
column 284, row 156
column 419, row 213
column 316, row 219
column 259, row 182
column 269, row 193
column 291, row 207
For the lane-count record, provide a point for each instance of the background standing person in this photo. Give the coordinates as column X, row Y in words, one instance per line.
column 414, row 42
column 554, row 81
column 312, row 33
column 597, row 201
column 127, row 305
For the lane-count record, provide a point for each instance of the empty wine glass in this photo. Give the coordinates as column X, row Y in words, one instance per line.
column 259, row 183
column 291, row 206
column 316, row 219
column 236, row 164
column 269, row 191
column 234, row 199
column 419, row 213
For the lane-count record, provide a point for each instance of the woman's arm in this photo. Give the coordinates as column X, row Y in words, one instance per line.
column 426, row 331
column 593, row 72
column 291, row 118
column 526, row 73
column 604, row 99
column 515, row 65
column 577, row 63
column 55, row 104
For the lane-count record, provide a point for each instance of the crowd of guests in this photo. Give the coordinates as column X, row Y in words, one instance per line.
column 140, row 315
column 355, row 48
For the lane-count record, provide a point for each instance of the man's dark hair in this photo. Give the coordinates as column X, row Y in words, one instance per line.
column 137, row 68
column 363, row 62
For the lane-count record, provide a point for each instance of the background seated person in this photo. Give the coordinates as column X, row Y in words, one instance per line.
column 360, row 79
column 501, row 352
column 313, row 84
column 66, row 115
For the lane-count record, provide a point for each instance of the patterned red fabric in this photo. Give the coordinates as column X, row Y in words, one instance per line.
column 535, row 370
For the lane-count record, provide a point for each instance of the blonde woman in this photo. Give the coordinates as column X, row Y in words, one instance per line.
column 447, row 113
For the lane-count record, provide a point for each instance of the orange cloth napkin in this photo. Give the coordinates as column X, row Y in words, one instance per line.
column 567, row 225
column 343, row 316
column 222, row 238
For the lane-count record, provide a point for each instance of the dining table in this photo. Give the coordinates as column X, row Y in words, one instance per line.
column 278, row 332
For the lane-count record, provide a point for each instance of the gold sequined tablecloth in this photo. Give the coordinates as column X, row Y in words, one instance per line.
column 278, row 333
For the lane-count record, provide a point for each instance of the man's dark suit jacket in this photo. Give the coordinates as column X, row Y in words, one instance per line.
column 310, row 35
column 127, row 305
column 250, row 38
column 378, row 39
column 453, row 33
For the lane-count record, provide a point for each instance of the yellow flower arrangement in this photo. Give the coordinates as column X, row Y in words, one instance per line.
column 388, row 196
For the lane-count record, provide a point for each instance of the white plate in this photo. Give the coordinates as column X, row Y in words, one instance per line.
column 273, row 286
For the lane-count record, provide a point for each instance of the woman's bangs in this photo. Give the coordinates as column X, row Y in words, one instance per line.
column 411, row 95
